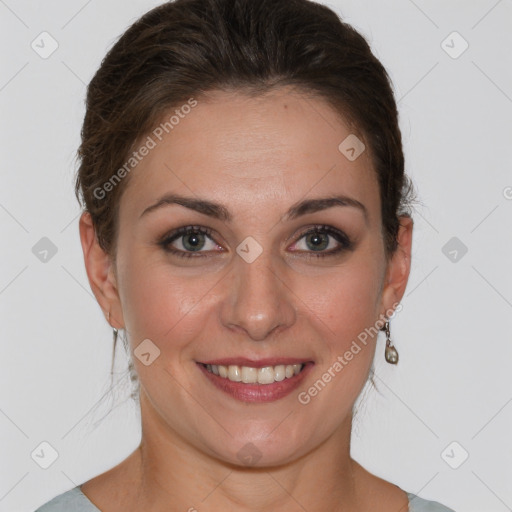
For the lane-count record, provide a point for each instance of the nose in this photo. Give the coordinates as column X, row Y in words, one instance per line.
column 258, row 301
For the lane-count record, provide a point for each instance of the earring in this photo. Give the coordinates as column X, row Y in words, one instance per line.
column 114, row 331
column 391, row 353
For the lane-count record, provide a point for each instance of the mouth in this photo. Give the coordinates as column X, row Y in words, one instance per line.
column 256, row 381
column 253, row 374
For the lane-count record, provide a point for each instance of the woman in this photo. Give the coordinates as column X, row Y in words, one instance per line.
column 246, row 225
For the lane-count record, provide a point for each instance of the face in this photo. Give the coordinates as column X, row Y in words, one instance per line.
column 255, row 268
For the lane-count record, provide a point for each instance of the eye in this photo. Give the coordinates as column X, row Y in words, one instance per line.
column 189, row 241
column 320, row 238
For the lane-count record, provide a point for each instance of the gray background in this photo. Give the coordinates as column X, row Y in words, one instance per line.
column 453, row 382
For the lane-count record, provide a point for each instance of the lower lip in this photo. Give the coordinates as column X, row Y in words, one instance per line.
column 257, row 392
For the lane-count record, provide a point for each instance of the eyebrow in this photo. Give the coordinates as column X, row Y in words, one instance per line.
column 220, row 212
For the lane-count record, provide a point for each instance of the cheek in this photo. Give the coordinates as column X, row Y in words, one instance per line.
column 159, row 304
column 346, row 300
column 345, row 309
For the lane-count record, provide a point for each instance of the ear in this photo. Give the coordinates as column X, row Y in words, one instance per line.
column 100, row 271
column 399, row 267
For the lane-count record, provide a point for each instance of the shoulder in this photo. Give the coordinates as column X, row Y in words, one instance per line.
column 70, row 501
column 417, row 504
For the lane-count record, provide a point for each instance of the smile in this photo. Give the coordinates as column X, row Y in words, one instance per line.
column 263, row 383
column 251, row 375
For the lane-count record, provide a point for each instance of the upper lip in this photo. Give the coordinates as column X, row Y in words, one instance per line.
column 256, row 363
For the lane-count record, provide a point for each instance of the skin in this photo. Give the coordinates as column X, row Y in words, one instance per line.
column 257, row 157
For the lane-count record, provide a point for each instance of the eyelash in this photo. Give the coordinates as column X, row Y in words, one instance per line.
column 339, row 236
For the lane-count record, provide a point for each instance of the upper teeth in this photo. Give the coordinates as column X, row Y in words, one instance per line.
column 249, row 375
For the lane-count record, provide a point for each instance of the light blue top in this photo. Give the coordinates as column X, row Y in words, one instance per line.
column 75, row 500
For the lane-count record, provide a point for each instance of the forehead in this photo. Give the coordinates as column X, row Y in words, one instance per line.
column 269, row 150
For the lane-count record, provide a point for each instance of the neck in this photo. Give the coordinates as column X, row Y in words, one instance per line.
column 175, row 475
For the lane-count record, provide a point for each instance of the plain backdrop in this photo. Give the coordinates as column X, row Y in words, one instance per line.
column 441, row 425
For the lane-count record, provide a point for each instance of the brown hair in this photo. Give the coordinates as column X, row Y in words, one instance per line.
column 185, row 48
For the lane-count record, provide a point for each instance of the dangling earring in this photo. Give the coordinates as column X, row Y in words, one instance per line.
column 114, row 332
column 391, row 353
